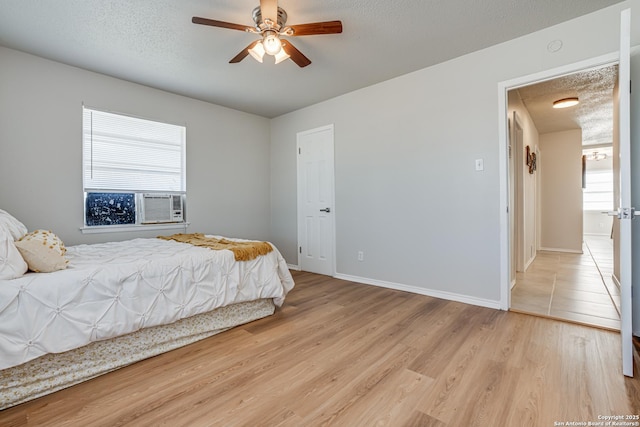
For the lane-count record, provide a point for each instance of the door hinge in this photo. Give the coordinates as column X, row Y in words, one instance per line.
column 299, row 150
column 300, row 249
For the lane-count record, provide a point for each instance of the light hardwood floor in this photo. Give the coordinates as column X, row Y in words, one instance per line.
column 346, row 354
column 573, row 287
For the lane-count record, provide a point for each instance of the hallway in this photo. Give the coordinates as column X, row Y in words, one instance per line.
column 573, row 287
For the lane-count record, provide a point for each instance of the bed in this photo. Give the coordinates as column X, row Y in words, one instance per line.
column 120, row 302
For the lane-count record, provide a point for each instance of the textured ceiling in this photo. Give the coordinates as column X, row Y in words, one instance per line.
column 153, row 42
column 594, row 113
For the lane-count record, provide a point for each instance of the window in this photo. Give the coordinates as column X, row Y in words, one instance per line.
column 598, row 191
column 128, row 164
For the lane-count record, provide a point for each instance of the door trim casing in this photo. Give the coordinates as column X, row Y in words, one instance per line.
column 503, row 88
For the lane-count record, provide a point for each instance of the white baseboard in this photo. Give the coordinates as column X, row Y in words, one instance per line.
column 598, row 234
column 569, row 251
column 293, row 267
column 422, row 291
column 528, row 263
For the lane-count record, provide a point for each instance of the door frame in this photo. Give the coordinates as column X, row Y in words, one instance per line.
column 300, row 206
column 503, row 88
column 624, row 145
column 519, row 190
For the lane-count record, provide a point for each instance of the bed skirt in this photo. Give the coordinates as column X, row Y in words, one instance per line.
column 53, row 372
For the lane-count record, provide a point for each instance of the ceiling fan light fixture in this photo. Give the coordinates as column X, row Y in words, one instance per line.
column 281, row 56
column 566, row 102
column 270, row 23
column 272, row 43
column 257, row 51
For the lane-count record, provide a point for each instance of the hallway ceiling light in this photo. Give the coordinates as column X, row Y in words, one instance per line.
column 566, row 102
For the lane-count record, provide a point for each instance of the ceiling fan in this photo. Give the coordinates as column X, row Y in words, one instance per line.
column 270, row 23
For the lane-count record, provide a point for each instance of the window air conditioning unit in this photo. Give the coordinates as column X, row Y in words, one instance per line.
column 160, row 208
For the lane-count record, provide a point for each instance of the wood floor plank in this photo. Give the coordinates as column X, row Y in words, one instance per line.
column 467, row 367
column 342, row 353
column 393, row 399
column 528, row 406
column 420, row 419
column 328, row 364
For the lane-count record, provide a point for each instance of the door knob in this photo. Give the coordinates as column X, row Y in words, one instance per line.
column 325, row 210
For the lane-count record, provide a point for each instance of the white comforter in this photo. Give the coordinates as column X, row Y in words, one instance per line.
column 116, row 288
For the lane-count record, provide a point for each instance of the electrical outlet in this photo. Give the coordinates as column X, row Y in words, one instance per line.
column 360, row 256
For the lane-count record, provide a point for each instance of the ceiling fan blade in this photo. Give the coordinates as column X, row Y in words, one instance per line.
column 221, row 24
column 328, row 27
column 243, row 53
column 269, row 10
column 295, row 54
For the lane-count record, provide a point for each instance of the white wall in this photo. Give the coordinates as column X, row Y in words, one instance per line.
column 560, row 167
column 40, row 150
column 596, row 223
column 407, row 194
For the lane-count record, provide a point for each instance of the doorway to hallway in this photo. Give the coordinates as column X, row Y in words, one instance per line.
column 559, row 272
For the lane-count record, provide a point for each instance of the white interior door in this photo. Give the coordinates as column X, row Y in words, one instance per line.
column 316, row 212
column 625, row 212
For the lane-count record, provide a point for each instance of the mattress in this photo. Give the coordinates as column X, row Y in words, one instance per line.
column 117, row 288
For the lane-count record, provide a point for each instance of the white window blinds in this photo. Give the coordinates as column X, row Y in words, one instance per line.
column 598, row 192
column 122, row 153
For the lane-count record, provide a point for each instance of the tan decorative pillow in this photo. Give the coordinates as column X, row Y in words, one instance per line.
column 43, row 251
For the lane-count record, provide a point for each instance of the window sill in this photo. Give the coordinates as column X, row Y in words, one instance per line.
column 137, row 227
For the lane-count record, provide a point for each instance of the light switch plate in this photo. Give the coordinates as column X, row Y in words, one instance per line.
column 479, row 164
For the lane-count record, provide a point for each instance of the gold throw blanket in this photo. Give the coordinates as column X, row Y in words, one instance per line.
column 243, row 251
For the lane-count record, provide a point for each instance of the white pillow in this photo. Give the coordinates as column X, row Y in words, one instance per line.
column 12, row 265
column 10, row 224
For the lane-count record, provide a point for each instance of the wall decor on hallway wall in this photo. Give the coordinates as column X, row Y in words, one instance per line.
column 532, row 163
column 530, row 160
